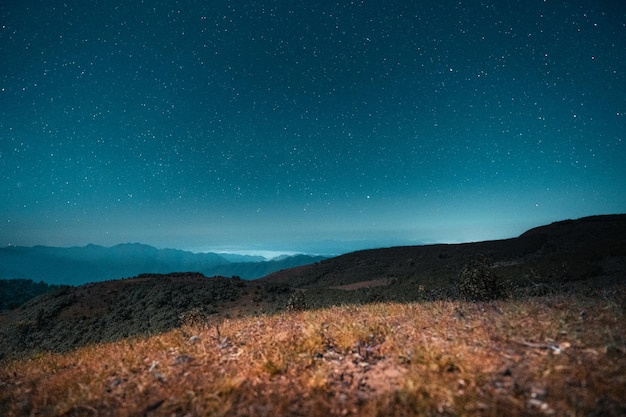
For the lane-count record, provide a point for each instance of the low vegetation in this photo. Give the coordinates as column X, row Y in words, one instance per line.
column 478, row 281
column 16, row 292
column 70, row 317
column 561, row 355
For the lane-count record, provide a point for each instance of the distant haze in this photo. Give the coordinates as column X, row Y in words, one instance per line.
column 92, row 263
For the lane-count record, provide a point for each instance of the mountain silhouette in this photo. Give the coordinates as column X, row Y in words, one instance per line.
column 94, row 263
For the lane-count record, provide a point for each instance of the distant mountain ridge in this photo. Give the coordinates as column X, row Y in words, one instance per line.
column 93, row 263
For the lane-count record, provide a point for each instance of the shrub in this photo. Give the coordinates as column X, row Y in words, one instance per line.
column 477, row 282
column 196, row 317
column 296, row 301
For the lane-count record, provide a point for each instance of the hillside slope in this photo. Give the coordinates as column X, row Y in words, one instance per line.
column 147, row 304
column 559, row 253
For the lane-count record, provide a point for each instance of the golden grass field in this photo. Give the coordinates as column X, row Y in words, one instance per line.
column 561, row 355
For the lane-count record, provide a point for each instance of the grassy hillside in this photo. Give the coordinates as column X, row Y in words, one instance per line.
column 151, row 303
column 556, row 355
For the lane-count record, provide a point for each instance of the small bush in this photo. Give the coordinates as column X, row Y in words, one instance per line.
column 196, row 317
column 296, row 301
column 477, row 282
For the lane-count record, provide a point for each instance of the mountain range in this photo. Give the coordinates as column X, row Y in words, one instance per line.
column 94, row 263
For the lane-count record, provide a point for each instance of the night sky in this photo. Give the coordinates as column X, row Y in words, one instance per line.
column 294, row 125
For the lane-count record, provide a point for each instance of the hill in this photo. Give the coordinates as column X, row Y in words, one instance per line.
column 539, row 260
column 147, row 304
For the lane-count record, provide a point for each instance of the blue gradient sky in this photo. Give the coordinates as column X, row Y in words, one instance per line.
column 292, row 125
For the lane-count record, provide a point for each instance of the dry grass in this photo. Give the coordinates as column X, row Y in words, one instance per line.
column 546, row 356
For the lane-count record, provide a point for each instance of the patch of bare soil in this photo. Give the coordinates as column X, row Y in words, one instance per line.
column 360, row 378
column 383, row 282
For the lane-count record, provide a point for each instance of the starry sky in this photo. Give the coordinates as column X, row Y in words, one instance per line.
column 307, row 125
